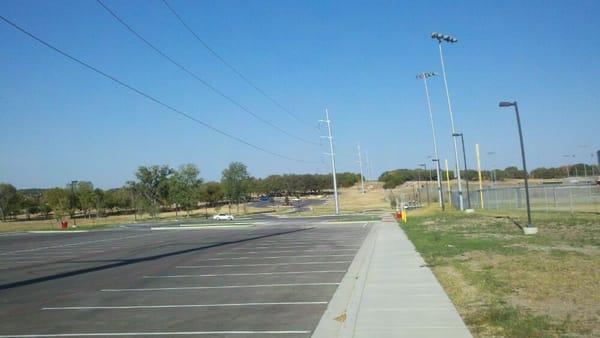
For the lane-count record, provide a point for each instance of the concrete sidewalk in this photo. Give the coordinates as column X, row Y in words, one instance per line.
column 389, row 292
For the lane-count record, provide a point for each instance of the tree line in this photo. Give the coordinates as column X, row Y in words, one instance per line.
column 394, row 178
column 159, row 188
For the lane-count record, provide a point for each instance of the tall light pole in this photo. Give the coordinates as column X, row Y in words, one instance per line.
column 424, row 165
column 332, row 154
column 424, row 76
column 362, row 181
column 462, row 139
column 514, row 104
column 441, row 196
column 450, row 39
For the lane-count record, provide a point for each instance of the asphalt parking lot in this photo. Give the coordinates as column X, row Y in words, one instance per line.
column 270, row 280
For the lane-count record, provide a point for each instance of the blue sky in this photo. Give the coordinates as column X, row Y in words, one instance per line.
column 61, row 122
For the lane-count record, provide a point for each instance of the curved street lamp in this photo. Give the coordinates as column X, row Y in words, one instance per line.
column 505, row 104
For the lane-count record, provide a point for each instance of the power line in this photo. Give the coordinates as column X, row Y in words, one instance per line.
column 141, row 93
column 231, row 67
column 197, row 77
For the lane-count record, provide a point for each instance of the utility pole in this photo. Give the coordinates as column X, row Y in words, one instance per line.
column 362, row 181
column 332, row 154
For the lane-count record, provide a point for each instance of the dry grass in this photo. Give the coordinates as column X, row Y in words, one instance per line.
column 352, row 200
column 507, row 284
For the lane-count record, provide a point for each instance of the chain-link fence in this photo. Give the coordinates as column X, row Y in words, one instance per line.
column 542, row 198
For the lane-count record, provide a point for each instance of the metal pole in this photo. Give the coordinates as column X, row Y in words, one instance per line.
column 362, row 181
column 448, row 180
column 424, row 165
column 441, row 195
column 479, row 175
column 429, row 171
column 419, row 185
column 460, row 196
column 524, row 165
column 332, row 153
column 462, row 139
column 435, row 147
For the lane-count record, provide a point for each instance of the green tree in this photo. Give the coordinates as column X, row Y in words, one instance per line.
column 84, row 191
column 30, row 205
column 99, row 202
column 119, row 198
column 210, row 194
column 235, row 181
column 152, row 186
column 10, row 200
column 59, row 200
column 184, row 187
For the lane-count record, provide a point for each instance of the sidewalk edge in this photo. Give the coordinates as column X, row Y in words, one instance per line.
column 346, row 299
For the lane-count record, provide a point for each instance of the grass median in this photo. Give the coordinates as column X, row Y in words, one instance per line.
column 508, row 284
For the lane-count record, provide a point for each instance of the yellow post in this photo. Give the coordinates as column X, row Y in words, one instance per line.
column 404, row 214
column 479, row 172
column 448, row 180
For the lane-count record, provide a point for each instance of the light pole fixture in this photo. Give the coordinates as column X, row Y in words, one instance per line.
column 450, row 39
column 465, row 163
column 424, row 76
column 505, row 104
column 440, row 187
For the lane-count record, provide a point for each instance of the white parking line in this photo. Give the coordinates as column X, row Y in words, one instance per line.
column 307, row 246
column 273, row 257
column 175, row 333
column 258, row 264
column 220, row 287
column 176, row 306
column 279, row 251
column 73, row 244
column 56, row 231
column 248, row 274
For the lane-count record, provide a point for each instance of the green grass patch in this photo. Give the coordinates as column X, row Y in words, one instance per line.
column 507, row 284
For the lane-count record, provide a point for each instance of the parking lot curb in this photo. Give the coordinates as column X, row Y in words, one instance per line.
column 339, row 318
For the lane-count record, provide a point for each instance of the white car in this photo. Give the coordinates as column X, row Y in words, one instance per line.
column 223, row 217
